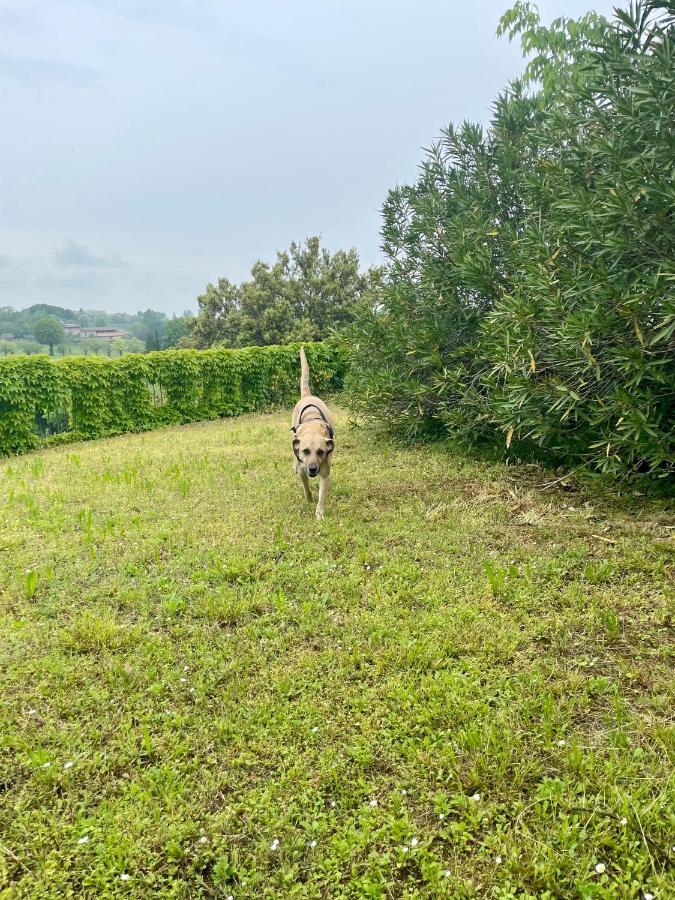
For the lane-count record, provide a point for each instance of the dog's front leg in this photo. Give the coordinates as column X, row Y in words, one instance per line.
column 323, row 490
column 305, row 483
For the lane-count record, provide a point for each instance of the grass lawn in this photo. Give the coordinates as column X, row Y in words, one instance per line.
column 457, row 685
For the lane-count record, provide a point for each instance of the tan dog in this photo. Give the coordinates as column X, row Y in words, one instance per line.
column 312, row 439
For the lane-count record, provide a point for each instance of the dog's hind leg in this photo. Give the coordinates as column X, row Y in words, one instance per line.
column 323, row 491
column 305, row 483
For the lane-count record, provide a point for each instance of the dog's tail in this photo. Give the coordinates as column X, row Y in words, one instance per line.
column 304, row 376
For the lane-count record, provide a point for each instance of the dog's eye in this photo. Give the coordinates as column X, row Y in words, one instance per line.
column 319, row 452
column 306, row 451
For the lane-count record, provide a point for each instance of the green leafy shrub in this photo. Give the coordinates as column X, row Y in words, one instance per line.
column 529, row 298
column 582, row 342
column 95, row 397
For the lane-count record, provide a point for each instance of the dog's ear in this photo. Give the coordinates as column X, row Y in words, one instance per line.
column 329, row 445
column 296, row 445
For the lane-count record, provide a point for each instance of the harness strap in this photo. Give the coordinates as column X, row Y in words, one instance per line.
column 323, row 419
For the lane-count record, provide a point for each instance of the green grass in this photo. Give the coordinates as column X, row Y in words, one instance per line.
column 457, row 685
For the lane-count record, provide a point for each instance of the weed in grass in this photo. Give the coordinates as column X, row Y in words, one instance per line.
column 611, row 623
column 31, row 579
column 598, row 572
column 498, row 577
column 84, row 519
column 183, row 485
column 94, row 631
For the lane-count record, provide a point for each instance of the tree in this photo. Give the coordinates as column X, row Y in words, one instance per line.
column 306, row 294
column 129, row 344
column 149, row 327
column 20, row 346
column 48, row 330
column 176, row 329
column 583, row 346
column 528, row 299
column 93, row 346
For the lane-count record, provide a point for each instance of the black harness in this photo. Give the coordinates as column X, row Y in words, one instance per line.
column 322, row 418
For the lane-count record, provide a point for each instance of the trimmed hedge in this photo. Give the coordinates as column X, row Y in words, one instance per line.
column 44, row 400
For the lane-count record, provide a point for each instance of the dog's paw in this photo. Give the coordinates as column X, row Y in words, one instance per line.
column 309, row 498
column 319, row 514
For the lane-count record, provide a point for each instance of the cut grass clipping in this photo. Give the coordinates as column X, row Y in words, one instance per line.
column 457, row 685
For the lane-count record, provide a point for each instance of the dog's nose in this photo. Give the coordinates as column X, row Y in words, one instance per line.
column 313, row 470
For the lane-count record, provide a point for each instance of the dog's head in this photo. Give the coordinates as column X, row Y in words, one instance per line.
column 312, row 446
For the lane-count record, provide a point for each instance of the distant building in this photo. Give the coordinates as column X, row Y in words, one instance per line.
column 92, row 331
column 102, row 332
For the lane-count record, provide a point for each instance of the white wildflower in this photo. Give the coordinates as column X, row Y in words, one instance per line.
column 648, row 896
column 69, row 764
column 475, row 798
column 405, row 849
column 404, row 792
column 414, row 842
column 441, row 816
column 45, row 765
column 312, row 844
column 83, row 840
column 275, row 844
column 498, row 860
column 600, row 868
column 333, row 804
column 623, row 821
column 373, row 802
column 125, row 876
column 562, row 742
column 183, row 681
column 32, row 712
column 315, row 729
column 446, row 873
column 203, row 839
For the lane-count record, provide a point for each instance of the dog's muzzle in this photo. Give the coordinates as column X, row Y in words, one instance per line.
column 312, row 471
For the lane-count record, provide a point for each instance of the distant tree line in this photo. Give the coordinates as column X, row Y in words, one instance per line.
column 306, row 294
column 39, row 328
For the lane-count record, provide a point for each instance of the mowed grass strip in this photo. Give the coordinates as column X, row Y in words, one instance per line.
column 456, row 685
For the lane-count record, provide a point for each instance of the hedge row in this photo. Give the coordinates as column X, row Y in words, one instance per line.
column 44, row 400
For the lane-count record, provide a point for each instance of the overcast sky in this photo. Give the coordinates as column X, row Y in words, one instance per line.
column 150, row 146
